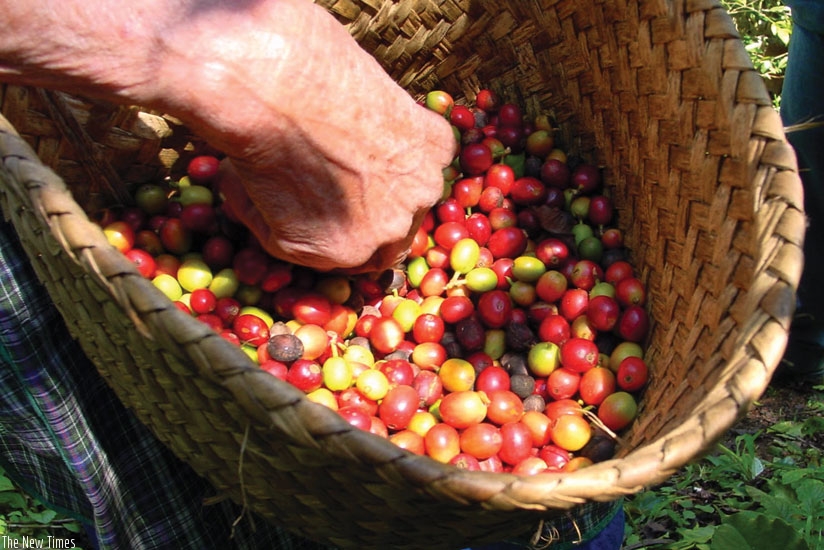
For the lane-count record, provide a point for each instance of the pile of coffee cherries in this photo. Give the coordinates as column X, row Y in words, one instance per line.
column 511, row 339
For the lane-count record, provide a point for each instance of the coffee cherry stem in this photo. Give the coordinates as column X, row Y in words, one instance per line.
column 598, row 422
column 456, row 280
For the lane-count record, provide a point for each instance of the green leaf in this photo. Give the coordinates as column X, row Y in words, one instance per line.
column 786, row 461
column 753, row 46
column 697, row 535
column 45, row 516
column 773, row 506
column 794, row 475
column 12, row 500
column 727, row 537
column 811, row 495
column 787, row 427
column 650, row 502
column 761, row 532
column 781, row 32
column 706, row 508
column 72, row 526
column 6, row 484
column 813, row 425
column 756, row 467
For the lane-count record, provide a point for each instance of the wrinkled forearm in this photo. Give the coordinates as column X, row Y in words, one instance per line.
column 104, row 48
column 184, row 57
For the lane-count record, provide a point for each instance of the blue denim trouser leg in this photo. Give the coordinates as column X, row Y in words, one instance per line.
column 802, row 100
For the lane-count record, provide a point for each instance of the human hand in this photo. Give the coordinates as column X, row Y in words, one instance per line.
column 332, row 164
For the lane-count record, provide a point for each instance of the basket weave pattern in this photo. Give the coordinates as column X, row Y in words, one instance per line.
column 661, row 94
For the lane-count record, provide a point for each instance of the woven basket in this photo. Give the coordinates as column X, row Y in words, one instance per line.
column 661, row 94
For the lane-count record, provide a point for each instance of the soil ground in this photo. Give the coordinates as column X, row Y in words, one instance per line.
column 782, row 401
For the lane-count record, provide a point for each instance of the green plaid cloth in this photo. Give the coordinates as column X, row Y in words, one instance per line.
column 66, row 439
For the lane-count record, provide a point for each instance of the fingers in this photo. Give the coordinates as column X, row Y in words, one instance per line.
column 441, row 143
column 333, row 162
column 385, row 229
column 330, row 243
column 390, row 255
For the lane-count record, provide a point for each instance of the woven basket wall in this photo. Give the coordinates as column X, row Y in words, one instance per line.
column 660, row 94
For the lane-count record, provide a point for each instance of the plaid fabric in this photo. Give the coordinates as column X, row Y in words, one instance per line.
column 66, row 438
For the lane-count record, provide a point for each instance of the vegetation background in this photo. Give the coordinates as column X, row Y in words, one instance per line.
column 762, row 489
